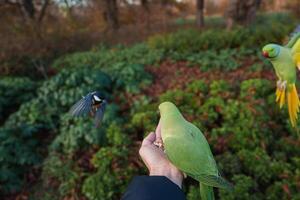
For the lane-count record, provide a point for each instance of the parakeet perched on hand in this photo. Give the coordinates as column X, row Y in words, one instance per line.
column 187, row 148
column 93, row 103
column 285, row 60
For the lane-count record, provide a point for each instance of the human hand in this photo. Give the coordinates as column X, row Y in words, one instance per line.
column 156, row 160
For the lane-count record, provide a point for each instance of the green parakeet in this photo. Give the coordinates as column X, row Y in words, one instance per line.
column 285, row 59
column 187, row 148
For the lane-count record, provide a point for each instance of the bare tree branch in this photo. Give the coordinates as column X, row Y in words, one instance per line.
column 200, row 13
column 28, row 8
column 43, row 11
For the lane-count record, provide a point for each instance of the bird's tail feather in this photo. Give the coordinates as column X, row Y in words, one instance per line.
column 206, row 192
column 292, row 101
column 280, row 97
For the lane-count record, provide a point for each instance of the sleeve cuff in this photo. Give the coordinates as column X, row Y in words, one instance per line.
column 153, row 188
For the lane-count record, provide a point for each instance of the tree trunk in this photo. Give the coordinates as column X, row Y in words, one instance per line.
column 200, row 13
column 251, row 12
column 145, row 5
column 243, row 12
column 43, row 11
column 28, row 8
column 111, row 14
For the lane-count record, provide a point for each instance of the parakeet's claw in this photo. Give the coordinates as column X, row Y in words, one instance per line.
column 278, row 83
column 159, row 143
column 282, row 85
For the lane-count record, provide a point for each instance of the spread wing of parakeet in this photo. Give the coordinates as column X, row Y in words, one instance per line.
column 285, row 60
column 187, row 148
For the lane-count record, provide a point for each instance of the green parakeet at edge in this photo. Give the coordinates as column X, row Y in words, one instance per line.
column 187, row 148
column 285, row 60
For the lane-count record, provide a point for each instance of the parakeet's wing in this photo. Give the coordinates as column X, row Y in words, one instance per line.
column 212, row 180
column 82, row 107
column 296, row 30
column 294, row 44
column 195, row 165
column 192, row 155
column 296, row 50
column 294, row 38
column 100, row 113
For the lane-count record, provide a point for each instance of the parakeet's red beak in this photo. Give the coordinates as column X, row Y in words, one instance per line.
column 265, row 54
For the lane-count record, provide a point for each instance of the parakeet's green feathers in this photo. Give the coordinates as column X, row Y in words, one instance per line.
column 187, row 148
column 285, row 60
column 214, row 181
column 293, row 40
column 294, row 45
column 206, row 192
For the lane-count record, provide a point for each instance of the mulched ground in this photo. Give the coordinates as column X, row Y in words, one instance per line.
column 176, row 75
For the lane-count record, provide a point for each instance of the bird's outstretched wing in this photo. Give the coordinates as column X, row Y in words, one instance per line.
column 82, row 107
column 294, row 44
column 100, row 113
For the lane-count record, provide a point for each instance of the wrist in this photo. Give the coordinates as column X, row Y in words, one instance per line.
column 173, row 175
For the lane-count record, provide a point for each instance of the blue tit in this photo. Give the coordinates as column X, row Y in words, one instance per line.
column 93, row 103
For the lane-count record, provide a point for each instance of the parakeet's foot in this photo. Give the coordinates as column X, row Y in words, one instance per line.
column 298, row 66
column 278, row 83
column 159, row 143
column 282, row 85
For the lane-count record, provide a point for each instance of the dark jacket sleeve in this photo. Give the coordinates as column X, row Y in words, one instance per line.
column 153, row 188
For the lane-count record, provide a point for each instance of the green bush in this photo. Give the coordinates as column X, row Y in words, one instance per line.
column 221, row 49
column 223, row 60
column 105, row 57
column 244, row 188
column 125, row 66
column 193, row 41
column 58, row 168
column 18, row 150
column 27, row 131
column 131, row 77
column 78, row 133
column 257, row 88
column 14, row 92
column 193, row 193
column 110, row 179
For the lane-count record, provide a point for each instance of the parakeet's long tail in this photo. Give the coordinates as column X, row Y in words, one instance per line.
column 206, row 192
column 292, row 101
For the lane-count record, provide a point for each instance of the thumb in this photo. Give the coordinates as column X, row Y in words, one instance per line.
column 158, row 130
column 149, row 139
